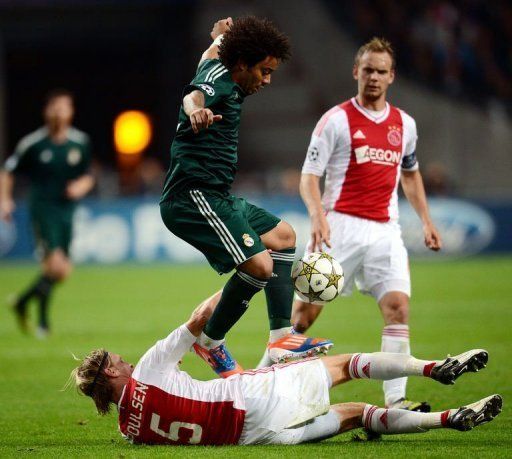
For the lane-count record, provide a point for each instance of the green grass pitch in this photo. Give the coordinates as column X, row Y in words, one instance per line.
column 456, row 305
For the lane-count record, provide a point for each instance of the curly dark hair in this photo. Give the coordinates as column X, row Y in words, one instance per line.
column 251, row 40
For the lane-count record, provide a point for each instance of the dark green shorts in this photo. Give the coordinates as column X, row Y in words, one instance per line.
column 53, row 226
column 226, row 229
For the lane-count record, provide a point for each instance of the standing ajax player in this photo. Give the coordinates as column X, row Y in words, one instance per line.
column 196, row 204
column 56, row 160
column 365, row 146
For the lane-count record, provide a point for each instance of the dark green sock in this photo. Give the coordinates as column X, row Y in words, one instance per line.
column 237, row 293
column 279, row 289
column 44, row 292
column 39, row 287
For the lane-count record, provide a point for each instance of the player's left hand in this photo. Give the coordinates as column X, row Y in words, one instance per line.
column 220, row 27
column 432, row 237
column 75, row 190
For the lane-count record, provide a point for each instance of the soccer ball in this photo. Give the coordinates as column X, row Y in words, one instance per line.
column 318, row 278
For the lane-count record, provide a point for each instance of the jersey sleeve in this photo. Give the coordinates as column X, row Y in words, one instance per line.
column 18, row 161
column 409, row 160
column 210, row 79
column 324, row 140
column 168, row 351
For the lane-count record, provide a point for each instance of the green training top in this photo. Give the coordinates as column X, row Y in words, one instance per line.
column 48, row 165
column 207, row 159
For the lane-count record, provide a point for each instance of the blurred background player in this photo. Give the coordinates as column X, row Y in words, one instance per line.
column 196, row 204
column 365, row 145
column 285, row 404
column 56, row 160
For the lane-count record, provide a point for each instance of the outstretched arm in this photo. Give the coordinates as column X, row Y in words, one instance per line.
column 170, row 350
column 218, row 29
column 414, row 191
column 202, row 313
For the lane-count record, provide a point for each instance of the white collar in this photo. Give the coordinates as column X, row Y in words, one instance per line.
column 376, row 119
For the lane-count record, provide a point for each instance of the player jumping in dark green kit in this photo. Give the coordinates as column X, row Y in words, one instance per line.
column 56, row 160
column 196, row 203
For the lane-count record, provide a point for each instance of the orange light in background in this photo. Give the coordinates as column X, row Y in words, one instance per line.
column 132, row 132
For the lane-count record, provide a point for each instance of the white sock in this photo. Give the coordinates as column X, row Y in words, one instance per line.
column 386, row 366
column 393, row 421
column 277, row 334
column 317, row 429
column 265, row 361
column 395, row 338
column 207, row 342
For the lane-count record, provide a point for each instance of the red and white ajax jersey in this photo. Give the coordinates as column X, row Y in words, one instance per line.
column 362, row 156
column 163, row 405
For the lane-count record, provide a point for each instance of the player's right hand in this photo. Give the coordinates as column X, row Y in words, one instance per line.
column 320, row 233
column 203, row 118
column 220, row 27
column 7, row 207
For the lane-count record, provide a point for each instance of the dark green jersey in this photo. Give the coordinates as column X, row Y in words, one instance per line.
column 50, row 166
column 207, row 159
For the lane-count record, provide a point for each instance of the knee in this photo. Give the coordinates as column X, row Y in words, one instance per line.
column 287, row 235
column 260, row 266
column 396, row 312
column 59, row 268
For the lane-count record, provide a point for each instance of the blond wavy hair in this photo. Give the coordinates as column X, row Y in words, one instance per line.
column 92, row 381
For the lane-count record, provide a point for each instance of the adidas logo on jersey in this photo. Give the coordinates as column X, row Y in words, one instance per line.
column 365, row 154
column 359, row 135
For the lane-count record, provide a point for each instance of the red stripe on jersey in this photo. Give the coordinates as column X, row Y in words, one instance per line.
column 375, row 154
column 148, row 414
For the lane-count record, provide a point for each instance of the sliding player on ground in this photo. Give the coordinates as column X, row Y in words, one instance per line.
column 283, row 404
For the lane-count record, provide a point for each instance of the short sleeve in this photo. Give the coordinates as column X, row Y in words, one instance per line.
column 213, row 80
column 409, row 160
column 170, row 350
column 324, row 140
column 18, row 161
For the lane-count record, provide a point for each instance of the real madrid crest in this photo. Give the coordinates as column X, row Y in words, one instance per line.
column 248, row 240
column 394, row 135
column 74, row 156
column 46, row 156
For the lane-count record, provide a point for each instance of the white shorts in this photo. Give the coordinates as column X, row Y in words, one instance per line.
column 282, row 396
column 372, row 255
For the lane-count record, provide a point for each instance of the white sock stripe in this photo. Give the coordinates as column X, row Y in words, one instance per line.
column 396, row 327
column 223, row 233
column 353, row 365
column 218, row 75
column 251, row 280
column 368, row 417
column 213, row 69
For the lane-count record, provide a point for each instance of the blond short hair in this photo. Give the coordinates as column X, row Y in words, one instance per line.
column 376, row 45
